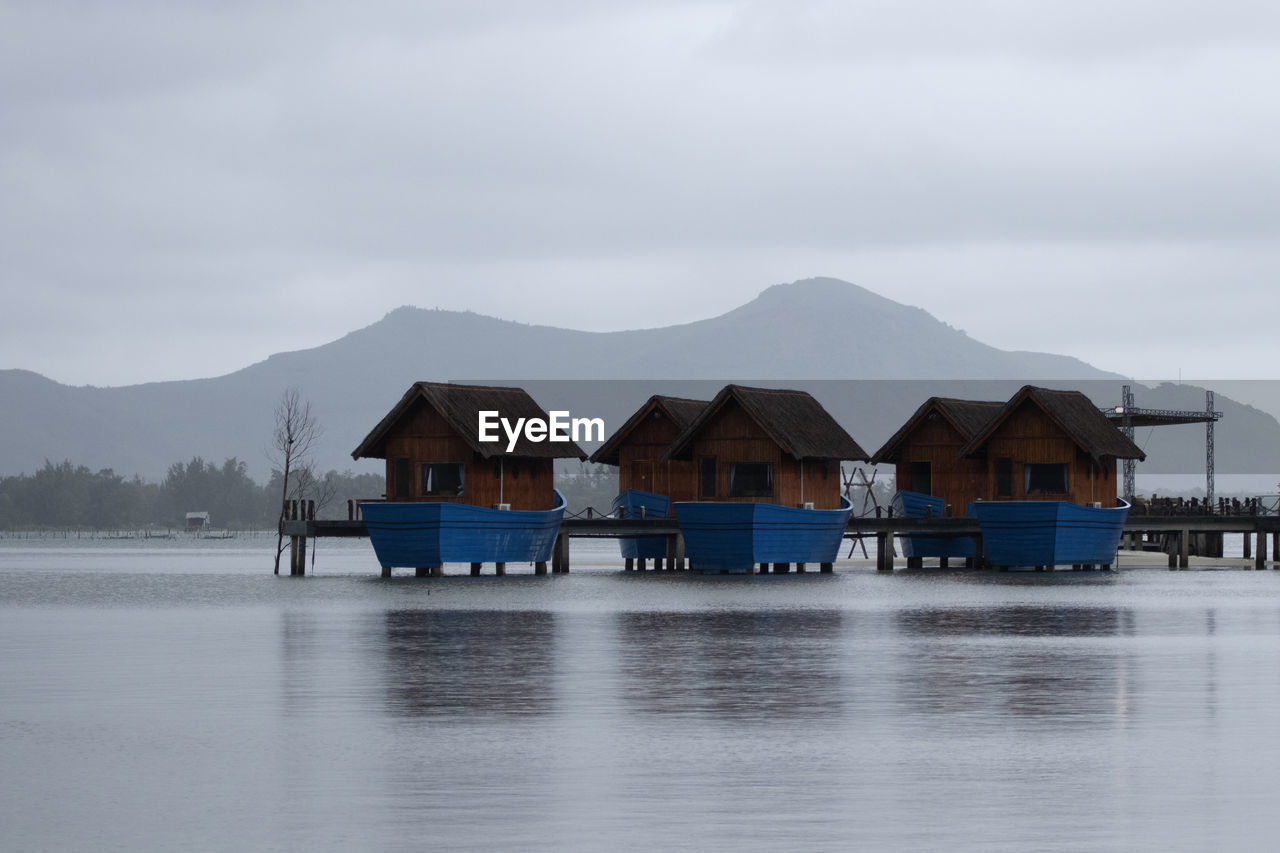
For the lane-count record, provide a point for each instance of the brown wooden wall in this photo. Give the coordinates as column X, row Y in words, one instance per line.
column 423, row 436
column 957, row 481
column 1030, row 436
column 640, row 465
column 733, row 436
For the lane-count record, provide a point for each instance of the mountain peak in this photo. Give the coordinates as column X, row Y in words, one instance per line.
column 832, row 296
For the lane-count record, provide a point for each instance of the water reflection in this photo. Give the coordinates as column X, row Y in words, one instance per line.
column 474, row 663
column 1023, row 662
column 1017, row 621
column 740, row 665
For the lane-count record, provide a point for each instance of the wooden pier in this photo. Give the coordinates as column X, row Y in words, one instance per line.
column 1180, row 537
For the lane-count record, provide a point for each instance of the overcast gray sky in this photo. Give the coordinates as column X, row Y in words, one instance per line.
column 188, row 187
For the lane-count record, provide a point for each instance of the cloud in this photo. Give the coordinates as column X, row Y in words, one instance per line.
column 301, row 158
column 1046, row 31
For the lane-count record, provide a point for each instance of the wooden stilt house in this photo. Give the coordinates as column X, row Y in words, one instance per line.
column 430, row 441
column 1049, row 445
column 637, row 446
column 766, row 445
column 926, row 455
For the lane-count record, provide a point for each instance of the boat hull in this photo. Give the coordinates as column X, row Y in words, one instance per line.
column 908, row 504
column 1048, row 533
column 735, row 537
column 629, row 504
column 417, row 534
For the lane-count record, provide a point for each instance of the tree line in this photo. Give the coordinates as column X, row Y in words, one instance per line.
column 69, row 496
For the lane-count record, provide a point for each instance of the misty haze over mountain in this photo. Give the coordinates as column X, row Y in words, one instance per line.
column 802, row 334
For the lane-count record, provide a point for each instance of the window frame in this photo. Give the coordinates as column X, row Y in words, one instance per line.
column 428, row 468
column 1046, row 475
column 752, row 489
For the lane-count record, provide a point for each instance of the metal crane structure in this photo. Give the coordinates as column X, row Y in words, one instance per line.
column 1127, row 416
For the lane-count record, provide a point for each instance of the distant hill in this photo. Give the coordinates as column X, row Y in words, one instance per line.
column 805, row 333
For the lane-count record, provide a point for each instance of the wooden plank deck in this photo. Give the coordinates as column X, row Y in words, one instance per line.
column 1175, row 532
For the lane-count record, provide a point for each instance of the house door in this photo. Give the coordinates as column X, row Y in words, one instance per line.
column 642, row 475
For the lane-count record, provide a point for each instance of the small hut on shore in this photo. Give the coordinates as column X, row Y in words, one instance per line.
column 766, row 445
column 430, row 441
column 1049, row 445
column 925, row 451
column 637, row 446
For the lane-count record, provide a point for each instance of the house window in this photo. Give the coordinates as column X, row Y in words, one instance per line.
column 1041, row 479
column 442, row 478
column 750, row 480
column 707, row 477
column 922, row 478
column 402, row 478
column 1004, row 478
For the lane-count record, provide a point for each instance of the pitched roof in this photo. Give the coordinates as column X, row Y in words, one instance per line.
column 678, row 409
column 968, row 417
column 793, row 419
column 460, row 406
column 1075, row 414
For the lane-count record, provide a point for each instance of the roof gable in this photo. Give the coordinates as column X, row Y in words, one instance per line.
column 967, row 417
column 460, row 406
column 794, row 420
column 678, row 410
column 1074, row 413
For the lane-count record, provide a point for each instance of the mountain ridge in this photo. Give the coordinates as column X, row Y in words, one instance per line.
column 812, row 330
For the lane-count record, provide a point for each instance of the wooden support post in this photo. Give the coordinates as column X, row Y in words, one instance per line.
column 884, row 557
column 781, row 568
column 764, row 568
column 800, row 567
column 422, row 572
column 1261, row 561
column 1184, row 558
column 642, row 563
column 979, row 560
column 540, row 567
column 630, row 564
column 826, row 568
column 475, row 570
column 680, row 552
column 386, row 571
column 501, row 569
column 915, row 562
column 943, row 563
column 1248, row 545
column 562, row 555
column 671, row 552
column 299, row 568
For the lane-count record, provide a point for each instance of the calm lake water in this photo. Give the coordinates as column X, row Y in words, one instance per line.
column 175, row 695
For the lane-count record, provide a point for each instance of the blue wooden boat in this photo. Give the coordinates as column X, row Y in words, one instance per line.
column 634, row 503
column 722, row 536
column 907, row 504
column 418, row 534
column 1048, row 533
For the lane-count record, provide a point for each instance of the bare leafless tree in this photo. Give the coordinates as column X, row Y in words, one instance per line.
column 292, row 441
